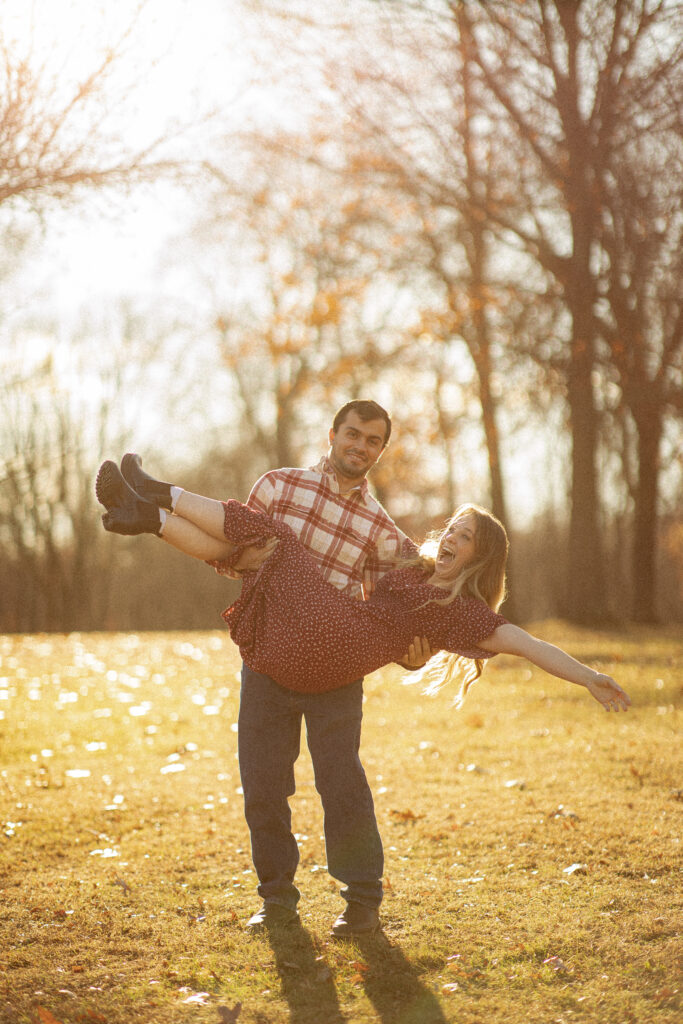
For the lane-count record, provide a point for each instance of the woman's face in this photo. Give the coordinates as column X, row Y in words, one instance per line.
column 457, row 547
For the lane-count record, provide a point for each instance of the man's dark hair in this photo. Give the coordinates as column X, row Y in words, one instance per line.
column 365, row 411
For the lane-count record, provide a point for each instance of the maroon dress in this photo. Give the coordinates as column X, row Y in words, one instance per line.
column 292, row 625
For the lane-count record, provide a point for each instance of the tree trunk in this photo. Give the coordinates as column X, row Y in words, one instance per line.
column 645, row 517
column 585, row 592
column 585, row 598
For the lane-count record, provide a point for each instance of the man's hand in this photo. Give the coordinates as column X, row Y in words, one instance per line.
column 253, row 557
column 418, row 654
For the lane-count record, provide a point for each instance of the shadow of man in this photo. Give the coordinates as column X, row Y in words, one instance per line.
column 393, row 984
column 307, row 982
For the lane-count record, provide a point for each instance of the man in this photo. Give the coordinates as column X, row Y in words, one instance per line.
column 354, row 541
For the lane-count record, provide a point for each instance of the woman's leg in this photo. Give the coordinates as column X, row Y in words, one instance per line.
column 185, row 536
column 205, row 513
column 197, row 529
column 112, row 487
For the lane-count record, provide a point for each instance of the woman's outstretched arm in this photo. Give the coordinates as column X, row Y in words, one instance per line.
column 509, row 639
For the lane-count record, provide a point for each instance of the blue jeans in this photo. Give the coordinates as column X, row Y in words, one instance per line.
column 269, row 742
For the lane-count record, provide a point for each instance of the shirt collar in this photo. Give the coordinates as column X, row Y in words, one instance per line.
column 325, row 468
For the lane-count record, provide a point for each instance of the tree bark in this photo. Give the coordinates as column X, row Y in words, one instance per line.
column 645, row 516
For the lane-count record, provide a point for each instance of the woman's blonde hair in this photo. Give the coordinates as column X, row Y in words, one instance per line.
column 482, row 578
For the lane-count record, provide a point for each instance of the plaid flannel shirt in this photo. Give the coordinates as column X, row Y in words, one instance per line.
column 352, row 538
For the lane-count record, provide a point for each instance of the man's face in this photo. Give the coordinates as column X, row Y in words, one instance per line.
column 356, row 446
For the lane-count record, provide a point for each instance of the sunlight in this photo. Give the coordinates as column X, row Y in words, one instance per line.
column 195, row 50
column 181, row 63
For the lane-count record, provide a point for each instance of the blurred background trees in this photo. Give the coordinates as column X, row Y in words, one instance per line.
column 470, row 212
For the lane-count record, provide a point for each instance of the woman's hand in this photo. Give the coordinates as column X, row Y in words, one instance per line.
column 608, row 693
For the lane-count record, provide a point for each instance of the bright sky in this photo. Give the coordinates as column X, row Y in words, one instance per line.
column 205, row 57
column 203, row 60
column 113, row 246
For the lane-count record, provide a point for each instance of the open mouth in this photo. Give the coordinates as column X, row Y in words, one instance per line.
column 446, row 555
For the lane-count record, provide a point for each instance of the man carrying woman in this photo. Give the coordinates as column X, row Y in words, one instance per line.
column 296, row 622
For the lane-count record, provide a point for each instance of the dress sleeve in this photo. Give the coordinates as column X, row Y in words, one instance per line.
column 244, row 527
column 468, row 622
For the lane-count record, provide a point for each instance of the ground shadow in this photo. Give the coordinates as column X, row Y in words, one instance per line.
column 393, row 985
column 307, row 983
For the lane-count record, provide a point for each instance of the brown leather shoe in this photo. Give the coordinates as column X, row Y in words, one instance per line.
column 272, row 915
column 356, row 919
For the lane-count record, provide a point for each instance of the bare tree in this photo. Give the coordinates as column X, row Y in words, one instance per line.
column 642, row 327
column 569, row 82
column 62, row 136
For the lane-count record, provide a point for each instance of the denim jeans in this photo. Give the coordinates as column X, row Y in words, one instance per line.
column 269, row 742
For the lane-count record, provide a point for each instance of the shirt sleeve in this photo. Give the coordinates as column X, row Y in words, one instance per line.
column 262, row 494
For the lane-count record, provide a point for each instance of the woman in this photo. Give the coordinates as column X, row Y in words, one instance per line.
column 292, row 625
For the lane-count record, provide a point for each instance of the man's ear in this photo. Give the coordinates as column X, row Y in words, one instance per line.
column 330, row 436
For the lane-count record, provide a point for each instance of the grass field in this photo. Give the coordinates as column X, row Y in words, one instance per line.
column 532, row 844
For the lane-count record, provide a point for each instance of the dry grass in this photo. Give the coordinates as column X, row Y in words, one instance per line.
column 125, row 890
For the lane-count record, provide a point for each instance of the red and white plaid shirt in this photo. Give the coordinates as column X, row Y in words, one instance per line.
column 352, row 538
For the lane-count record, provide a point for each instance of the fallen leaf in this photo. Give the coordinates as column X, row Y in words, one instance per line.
column 575, row 869
column 45, row 1017
column 199, row 998
column 562, row 812
column 515, row 784
column 229, row 1016
column 555, row 963
column 406, row 815
column 664, row 993
column 452, row 987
